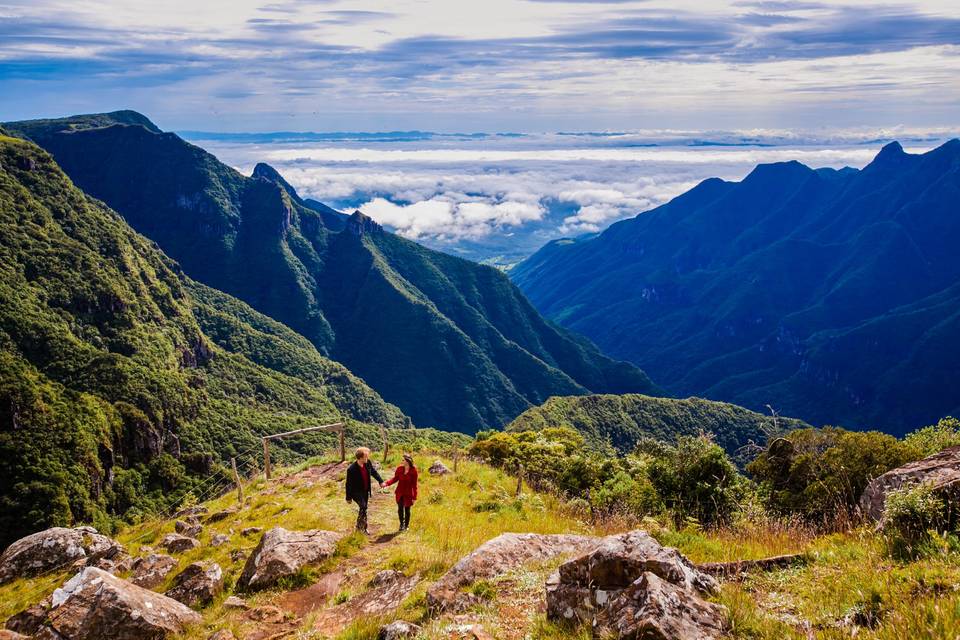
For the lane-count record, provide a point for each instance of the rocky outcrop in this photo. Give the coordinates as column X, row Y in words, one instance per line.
column 398, row 630
column 438, row 468
column 627, row 583
column 198, row 584
column 282, row 553
column 941, row 471
column 150, row 571
column 29, row 621
column 190, row 527
column 497, row 556
column 94, row 605
column 387, row 590
column 56, row 547
column 654, row 609
column 176, row 543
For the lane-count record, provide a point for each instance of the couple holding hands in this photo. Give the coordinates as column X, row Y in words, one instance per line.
column 360, row 476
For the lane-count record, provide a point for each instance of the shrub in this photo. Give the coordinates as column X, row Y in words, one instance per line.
column 910, row 515
column 696, row 479
column 821, row 473
column 933, row 439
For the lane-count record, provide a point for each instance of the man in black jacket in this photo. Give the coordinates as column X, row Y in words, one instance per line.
column 359, row 480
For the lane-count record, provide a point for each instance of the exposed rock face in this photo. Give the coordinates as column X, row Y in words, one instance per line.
column 94, row 605
column 29, row 621
column 219, row 539
column 176, row 543
column 222, row 515
column 198, row 584
column 387, row 590
column 438, row 468
column 397, row 630
column 190, row 528
column 613, row 582
column 150, row 571
column 654, row 609
column 282, row 553
column 498, row 555
column 941, row 471
column 55, row 547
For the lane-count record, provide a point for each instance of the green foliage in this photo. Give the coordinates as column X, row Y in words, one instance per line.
column 934, row 438
column 695, row 479
column 821, row 473
column 623, row 420
column 114, row 399
column 912, row 515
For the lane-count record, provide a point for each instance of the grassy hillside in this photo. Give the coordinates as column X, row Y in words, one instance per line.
column 452, row 343
column 831, row 295
column 122, row 380
column 847, row 586
column 620, row 421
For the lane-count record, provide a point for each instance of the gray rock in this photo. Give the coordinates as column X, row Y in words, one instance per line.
column 497, row 556
column 251, row 531
column 222, row 515
column 219, row 540
column 222, row 634
column 55, row 547
column 654, row 609
column 198, row 584
column 438, row 468
column 94, row 605
column 191, row 530
column 29, row 621
column 149, row 572
column 398, row 630
column 176, row 543
column 587, row 585
column 282, row 553
column 941, row 471
column 233, row 602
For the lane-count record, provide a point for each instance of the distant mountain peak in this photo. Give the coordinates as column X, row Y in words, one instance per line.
column 891, row 155
column 360, row 223
column 777, row 171
column 268, row 173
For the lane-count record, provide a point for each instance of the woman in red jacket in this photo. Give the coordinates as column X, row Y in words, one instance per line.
column 406, row 481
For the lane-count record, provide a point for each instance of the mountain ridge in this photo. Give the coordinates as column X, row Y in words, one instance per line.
column 738, row 291
column 450, row 342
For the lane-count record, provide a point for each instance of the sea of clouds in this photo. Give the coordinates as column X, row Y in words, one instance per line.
column 499, row 197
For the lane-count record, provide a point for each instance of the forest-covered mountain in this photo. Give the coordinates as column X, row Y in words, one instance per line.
column 832, row 295
column 450, row 342
column 120, row 378
column 622, row 421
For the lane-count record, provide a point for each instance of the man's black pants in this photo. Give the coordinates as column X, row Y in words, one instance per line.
column 362, row 514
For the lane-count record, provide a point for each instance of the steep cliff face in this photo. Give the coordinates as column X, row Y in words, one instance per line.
column 831, row 295
column 452, row 343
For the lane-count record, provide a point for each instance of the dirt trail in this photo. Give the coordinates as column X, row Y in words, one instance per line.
column 350, row 574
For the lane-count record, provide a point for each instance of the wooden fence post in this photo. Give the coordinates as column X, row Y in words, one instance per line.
column 386, row 443
column 236, row 478
column 343, row 446
column 519, row 481
column 266, row 457
column 456, row 459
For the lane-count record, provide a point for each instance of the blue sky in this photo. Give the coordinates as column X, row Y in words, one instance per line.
column 496, row 65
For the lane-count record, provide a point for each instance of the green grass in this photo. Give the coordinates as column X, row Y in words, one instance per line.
column 847, row 575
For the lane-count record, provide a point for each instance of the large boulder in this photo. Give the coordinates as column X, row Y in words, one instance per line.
column 585, row 586
column 94, row 605
column 176, row 543
column 654, row 609
column 497, row 556
column 150, row 571
column 387, row 590
column 398, row 630
column 941, row 471
column 198, row 584
column 282, row 553
column 56, row 547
